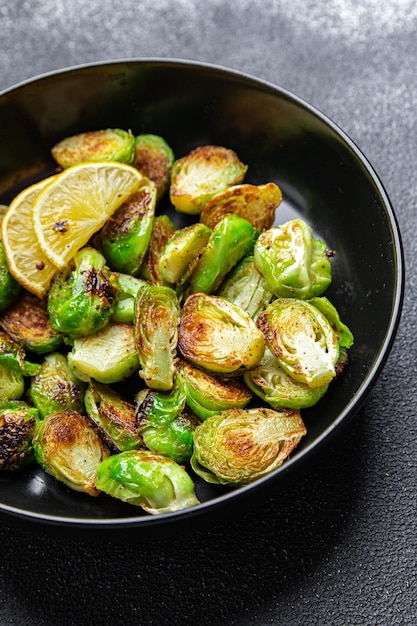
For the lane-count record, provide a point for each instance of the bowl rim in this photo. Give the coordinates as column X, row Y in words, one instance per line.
column 355, row 403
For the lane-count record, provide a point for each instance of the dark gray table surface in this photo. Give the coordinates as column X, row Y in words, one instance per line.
column 339, row 547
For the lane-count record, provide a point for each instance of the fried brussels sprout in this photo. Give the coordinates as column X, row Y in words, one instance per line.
column 56, row 388
column 125, row 237
column 156, row 334
column 27, row 322
column 256, row 203
column 108, row 356
column 124, row 308
column 82, row 297
column 10, row 289
column 111, row 144
column 67, row 447
column 293, row 262
column 301, row 339
column 165, row 422
column 218, row 336
column 151, row 481
column 163, row 228
column 277, row 388
column 182, row 252
column 17, row 428
column 154, row 159
column 114, row 416
column 207, row 394
column 202, row 173
column 12, row 384
column 246, row 287
column 232, row 239
column 13, row 357
column 240, row 445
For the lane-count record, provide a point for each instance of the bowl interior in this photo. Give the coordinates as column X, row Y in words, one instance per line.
column 323, row 177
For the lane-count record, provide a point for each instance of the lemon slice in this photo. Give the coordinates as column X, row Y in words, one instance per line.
column 25, row 258
column 77, row 202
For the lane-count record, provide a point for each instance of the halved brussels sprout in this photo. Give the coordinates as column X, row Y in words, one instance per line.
column 343, row 333
column 154, row 159
column 114, row 416
column 156, row 334
column 277, row 388
column 17, row 427
column 108, row 356
column 200, row 174
column 207, row 393
column 124, row 309
column 240, row 445
column 82, row 297
column 111, row 144
column 67, row 447
column 246, row 287
column 13, row 357
column 256, row 203
column 182, row 251
column 27, row 323
column 10, row 289
column 302, row 340
column 12, row 384
column 163, row 228
column 165, row 423
column 56, row 388
column 125, row 236
column 219, row 336
column 293, row 262
column 145, row 479
column 231, row 240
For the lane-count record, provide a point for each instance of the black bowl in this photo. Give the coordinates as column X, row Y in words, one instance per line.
column 324, row 178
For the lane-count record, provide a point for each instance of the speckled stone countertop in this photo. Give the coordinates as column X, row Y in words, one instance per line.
column 340, row 549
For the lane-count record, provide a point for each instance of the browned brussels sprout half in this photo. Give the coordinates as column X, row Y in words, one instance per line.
column 108, row 356
column 231, row 240
column 293, row 262
column 208, row 393
column 246, row 287
column 82, row 297
column 277, row 388
column 10, row 289
column 112, row 144
column 67, row 447
column 163, row 228
column 301, row 339
column 151, row 481
column 156, row 333
column 202, row 173
column 27, row 322
column 154, row 159
column 17, row 427
column 165, row 423
column 219, row 336
column 56, row 388
column 255, row 203
column 240, row 445
column 114, row 416
column 125, row 237
column 13, row 356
